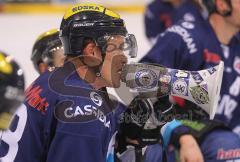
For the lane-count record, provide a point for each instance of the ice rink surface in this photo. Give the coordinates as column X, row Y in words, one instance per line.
column 18, row 33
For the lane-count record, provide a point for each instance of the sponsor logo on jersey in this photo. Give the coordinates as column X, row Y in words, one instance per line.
column 96, row 98
column 87, row 110
column 186, row 36
column 33, row 98
column 228, row 154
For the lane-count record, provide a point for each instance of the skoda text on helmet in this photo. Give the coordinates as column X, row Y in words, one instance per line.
column 11, row 89
column 210, row 5
column 90, row 21
column 44, row 46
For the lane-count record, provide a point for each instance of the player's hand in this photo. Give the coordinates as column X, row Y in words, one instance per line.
column 189, row 149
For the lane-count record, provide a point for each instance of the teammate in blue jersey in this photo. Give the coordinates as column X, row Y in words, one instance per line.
column 201, row 45
column 67, row 114
column 229, row 105
column 198, row 45
column 47, row 51
column 161, row 14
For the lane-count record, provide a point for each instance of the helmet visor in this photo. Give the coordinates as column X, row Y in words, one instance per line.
column 112, row 43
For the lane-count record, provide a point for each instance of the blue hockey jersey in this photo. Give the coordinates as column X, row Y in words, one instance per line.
column 229, row 105
column 161, row 15
column 194, row 46
column 63, row 119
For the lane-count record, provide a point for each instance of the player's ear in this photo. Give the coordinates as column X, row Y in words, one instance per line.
column 89, row 49
column 92, row 55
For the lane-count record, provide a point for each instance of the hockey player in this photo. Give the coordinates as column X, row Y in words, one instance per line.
column 47, row 51
column 201, row 45
column 11, row 89
column 68, row 115
column 192, row 51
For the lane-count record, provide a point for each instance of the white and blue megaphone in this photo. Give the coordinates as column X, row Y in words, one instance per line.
column 200, row 87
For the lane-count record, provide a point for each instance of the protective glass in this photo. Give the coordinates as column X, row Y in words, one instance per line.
column 127, row 44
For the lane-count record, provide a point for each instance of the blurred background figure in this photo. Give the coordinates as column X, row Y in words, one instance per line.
column 11, row 89
column 161, row 14
column 204, row 43
column 47, row 52
column 157, row 17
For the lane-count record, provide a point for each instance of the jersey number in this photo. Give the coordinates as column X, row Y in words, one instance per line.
column 11, row 138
